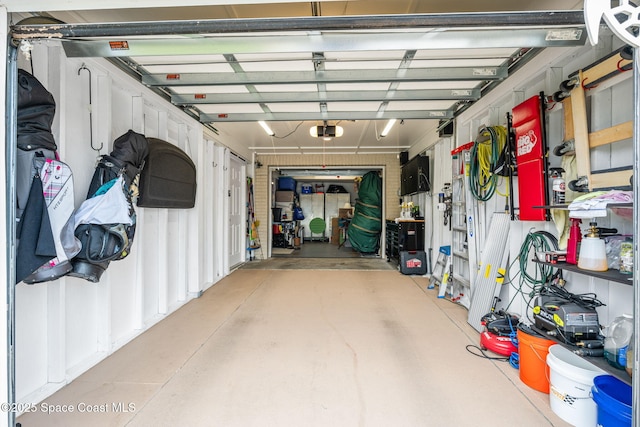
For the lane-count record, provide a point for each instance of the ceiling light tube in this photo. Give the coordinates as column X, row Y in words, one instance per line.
column 266, row 128
column 388, row 127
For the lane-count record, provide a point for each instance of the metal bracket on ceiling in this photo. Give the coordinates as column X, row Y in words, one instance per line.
column 318, row 61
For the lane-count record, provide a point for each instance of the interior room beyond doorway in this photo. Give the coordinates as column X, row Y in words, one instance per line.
column 312, row 210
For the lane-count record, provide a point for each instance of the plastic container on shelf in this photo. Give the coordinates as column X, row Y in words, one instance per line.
column 575, row 237
column 626, row 256
column 618, row 337
column 629, row 367
column 593, row 253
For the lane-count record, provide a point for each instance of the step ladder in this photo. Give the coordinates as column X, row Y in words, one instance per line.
column 441, row 271
column 253, row 238
column 463, row 224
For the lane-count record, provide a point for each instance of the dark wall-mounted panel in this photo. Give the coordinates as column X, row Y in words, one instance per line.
column 414, row 177
column 168, row 179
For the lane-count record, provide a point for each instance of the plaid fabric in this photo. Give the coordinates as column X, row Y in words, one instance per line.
column 54, row 177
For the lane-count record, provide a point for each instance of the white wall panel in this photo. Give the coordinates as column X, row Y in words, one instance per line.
column 81, row 322
column 606, row 112
column 123, row 288
column 436, row 233
column 66, row 326
column 31, row 339
column 161, row 263
column 173, row 256
column 122, row 117
column 205, row 269
column 150, row 264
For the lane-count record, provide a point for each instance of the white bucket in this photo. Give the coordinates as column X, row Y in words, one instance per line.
column 571, row 378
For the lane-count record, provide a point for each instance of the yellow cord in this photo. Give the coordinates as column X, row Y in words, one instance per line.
column 486, row 154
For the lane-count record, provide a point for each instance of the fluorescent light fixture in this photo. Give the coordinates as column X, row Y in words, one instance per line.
column 326, row 131
column 388, row 127
column 277, row 148
column 266, row 128
column 391, row 147
column 341, row 153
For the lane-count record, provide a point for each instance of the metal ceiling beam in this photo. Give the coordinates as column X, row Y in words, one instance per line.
column 50, row 5
column 337, row 115
column 338, row 76
column 365, row 95
column 327, row 42
column 543, row 19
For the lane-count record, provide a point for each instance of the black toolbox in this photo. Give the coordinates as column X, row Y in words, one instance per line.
column 413, row 262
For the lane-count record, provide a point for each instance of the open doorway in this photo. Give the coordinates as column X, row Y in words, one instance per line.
column 313, row 208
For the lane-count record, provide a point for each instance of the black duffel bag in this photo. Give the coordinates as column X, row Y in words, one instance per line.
column 101, row 244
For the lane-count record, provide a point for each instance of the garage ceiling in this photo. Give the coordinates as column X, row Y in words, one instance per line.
column 294, row 65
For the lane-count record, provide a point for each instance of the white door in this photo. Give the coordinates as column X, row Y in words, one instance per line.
column 237, row 214
column 312, row 207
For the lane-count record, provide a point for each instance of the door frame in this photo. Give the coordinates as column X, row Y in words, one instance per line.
column 273, row 187
column 242, row 194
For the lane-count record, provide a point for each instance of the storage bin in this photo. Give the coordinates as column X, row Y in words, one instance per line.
column 614, row 400
column 284, row 205
column 285, row 196
column 277, row 213
column 286, row 183
column 533, row 350
column 571, row 379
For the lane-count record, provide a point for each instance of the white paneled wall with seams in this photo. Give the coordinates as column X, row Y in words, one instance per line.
column 436, row 233
column 611, row 104
column 66, row 326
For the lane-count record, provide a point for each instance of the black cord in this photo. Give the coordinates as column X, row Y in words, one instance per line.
column 290, row 133
column 483, row 354
column 586, row 300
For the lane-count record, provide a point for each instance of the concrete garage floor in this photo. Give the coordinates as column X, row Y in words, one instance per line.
column 267, row 347
column 288, row 263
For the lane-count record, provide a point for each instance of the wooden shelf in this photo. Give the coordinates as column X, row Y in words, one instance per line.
column 611, row 275
column 600, row 362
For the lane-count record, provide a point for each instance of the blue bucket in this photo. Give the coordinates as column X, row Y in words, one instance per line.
column 614, row 399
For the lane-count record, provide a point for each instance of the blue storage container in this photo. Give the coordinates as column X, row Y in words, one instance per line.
column 614, row 399
column 286, row 183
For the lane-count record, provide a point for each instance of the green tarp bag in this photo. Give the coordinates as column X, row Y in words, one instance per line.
column 366, row 225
